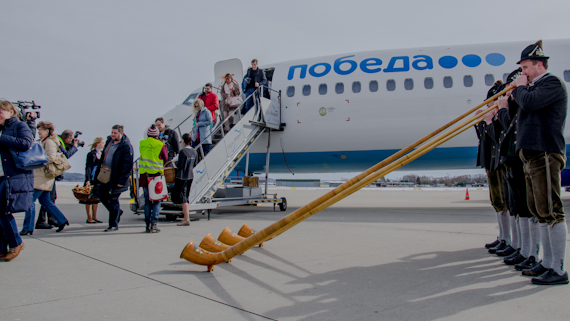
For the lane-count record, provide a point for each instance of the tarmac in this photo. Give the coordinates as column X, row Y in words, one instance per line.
column 378, row 255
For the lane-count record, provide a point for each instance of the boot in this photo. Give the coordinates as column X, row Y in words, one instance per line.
column 147, row 227
column 153, row 228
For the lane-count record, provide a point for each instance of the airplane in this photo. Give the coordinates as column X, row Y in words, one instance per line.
column 347, row 112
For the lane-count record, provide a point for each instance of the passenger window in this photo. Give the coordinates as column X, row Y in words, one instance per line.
column 505, row 77
column 468, row 81
column 489, row 79
column 306, row 90
column 567, row 75
column 323, row 89
column 447, row 82
column 409, row 84
column 339, row 88
column 373, row 86
column 356, row 87
column 290, row 91
column 391, row 85
column 428, row 83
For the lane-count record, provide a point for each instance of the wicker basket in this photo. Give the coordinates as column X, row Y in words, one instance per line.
column 82, row 196
column 169, row 173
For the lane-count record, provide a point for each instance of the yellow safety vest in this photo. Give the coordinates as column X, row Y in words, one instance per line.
column 149, row 162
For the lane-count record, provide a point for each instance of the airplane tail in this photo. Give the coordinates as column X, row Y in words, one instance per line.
column 197, row 255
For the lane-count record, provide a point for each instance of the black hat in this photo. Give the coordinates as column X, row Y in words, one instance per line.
column 511, row 76
column 497, row 86
column 533, row 51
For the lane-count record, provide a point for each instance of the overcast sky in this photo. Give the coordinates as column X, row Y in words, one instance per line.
column 93, row 64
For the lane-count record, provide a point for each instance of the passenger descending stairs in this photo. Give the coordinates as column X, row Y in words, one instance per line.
column 210, row 172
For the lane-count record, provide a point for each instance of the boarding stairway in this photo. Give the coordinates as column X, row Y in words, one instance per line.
column 226, row 152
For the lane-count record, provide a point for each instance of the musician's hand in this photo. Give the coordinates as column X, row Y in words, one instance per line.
column 521, row 80
column 503, row 102
column 478, row 112
column 489, row 116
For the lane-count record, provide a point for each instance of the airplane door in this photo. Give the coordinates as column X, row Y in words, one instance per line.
column 232, row 66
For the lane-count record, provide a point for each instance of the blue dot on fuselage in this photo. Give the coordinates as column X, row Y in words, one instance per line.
column 495, row 59
column 448, row 62
column 471, row 60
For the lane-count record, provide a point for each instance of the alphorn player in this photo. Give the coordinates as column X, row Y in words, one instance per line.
column 542, row 100
column 526, row 239
column 485, row 132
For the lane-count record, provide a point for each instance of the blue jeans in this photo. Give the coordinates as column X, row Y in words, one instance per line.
column 151, row 208
column 45, row 201
column 249, row 102
column 111, row 203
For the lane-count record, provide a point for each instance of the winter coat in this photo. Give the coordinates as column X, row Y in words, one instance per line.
column 211, row 102
column 41, row 182
column 203, row 125
column 171, row 141
column 19, row 184
column 90, row 163
column 235, row 87
column 185, row 163
column 121, row 165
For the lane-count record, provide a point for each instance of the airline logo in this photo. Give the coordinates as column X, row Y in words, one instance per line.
column 345, row 65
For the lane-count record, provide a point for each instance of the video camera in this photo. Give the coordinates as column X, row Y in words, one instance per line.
column 79, row 143
column 23, row 105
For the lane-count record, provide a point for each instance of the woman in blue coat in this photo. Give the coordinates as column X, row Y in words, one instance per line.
column 203, row 127
column 16, row 187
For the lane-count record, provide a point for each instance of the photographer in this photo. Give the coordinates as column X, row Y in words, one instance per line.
column 68, row 147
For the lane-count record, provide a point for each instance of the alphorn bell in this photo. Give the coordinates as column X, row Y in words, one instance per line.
column 246, row 231
column 386, row 166
column 209, row 244
column 227, row 237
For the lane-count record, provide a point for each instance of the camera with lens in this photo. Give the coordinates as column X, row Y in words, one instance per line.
column 79, row 143
column 27, row 115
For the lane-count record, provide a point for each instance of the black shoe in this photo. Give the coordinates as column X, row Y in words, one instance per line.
column 499, row 247
column 53, row 222
column 526, row 264
column 538, row 270
column 517, row 251
column 551, row 278
column 490, row 245
column 97, row 221
column 43, row 226
column 26, row 232
column 516, row 259
column 60, row 228
column 111, row 229
column 506, row 252
column 92, row 222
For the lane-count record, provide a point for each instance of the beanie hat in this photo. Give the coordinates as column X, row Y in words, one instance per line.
column 152, row 131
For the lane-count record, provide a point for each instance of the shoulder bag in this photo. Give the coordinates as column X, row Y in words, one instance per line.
column 104, row 175
column 58, row 167
column 34, row 157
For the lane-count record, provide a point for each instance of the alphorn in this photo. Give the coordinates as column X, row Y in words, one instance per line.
column 201, row 257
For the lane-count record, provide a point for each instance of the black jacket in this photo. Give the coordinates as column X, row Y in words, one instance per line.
column 185, row 164
column 19, row 184
column 542, row 115
column 121, row 165
column 90, row 163
column 170, row 138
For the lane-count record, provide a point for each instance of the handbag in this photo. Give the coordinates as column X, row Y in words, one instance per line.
column 104, row 174
column 234, row 101
column 34, row 157
column 157, row 190
column 58, row 167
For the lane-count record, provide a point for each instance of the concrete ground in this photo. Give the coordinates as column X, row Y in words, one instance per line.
column 380, row 255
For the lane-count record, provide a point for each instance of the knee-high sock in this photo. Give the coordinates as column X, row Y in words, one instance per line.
column 524, row 228
column 546, row 248
column 558, row 235
column 514, row 232
column 500, row 226
column 505, row 227
column 534, row 238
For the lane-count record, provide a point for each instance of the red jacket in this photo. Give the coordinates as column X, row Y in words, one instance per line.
column 212, row 103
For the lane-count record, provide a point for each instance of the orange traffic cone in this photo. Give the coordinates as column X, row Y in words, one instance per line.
column 467, row 194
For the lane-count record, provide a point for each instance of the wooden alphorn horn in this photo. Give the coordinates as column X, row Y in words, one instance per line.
column 359, row 181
